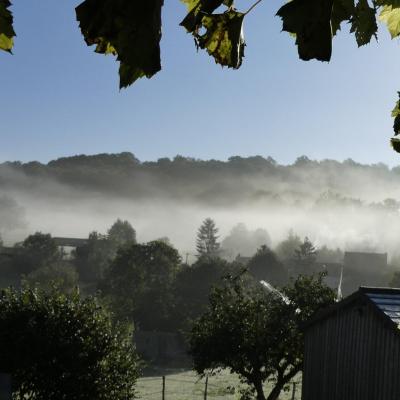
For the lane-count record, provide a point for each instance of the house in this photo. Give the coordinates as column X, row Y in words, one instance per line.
column 244, row 260
column 352, row 349
column 70, row 242
column 364, row 269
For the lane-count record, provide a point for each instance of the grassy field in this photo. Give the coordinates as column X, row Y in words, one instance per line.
column 186, row 385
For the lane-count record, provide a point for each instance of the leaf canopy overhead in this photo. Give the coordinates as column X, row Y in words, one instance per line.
column 131, row 29
column 128, row 29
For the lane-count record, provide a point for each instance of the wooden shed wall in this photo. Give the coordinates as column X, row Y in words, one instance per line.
column 352, row 355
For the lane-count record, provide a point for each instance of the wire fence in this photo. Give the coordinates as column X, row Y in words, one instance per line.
column 188, row 385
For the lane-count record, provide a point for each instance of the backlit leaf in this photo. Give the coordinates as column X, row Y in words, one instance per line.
column 396, row 116
column 391, row 17
column 395, row 144
column 310, row 21
column 223, row 38
column 129, row 29
column 197, row 10
column 6, row 26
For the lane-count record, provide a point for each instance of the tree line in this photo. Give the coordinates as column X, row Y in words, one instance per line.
column 238, row 179
column 150, row 285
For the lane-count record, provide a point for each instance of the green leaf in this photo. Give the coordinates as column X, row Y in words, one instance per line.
column 197, row 10
column 363, row 23
column 396, row 116
column 396, row 109
column 391, row 17
column 395, row 144
column 128, row 29
column 223, row 38
column 342, row 10
column 310, row 21
column 6, row 26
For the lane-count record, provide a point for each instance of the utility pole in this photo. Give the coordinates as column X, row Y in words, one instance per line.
column 163, row 388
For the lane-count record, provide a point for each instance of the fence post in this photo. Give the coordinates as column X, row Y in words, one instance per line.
column 294, row 391
column 163, row 387
column 206, row 388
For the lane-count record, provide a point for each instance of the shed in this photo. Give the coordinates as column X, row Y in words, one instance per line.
column 352, row 349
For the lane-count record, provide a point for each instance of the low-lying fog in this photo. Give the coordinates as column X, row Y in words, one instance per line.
column 341, row 205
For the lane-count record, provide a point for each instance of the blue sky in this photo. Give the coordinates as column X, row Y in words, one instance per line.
column 58, row 98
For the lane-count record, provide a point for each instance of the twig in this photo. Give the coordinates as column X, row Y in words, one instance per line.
column 253, row 6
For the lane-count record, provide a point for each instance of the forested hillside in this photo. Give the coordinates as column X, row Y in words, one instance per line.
column 207, row 181
column 341, row 204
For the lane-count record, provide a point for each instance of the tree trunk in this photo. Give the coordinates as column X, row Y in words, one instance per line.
column 276, row 391
column 281, row 382
column 259, row 389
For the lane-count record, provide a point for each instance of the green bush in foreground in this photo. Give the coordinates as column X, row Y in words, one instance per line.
column 59, row 346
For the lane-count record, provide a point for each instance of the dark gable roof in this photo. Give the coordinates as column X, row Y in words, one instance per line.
column 388, row 301
column 385, row 301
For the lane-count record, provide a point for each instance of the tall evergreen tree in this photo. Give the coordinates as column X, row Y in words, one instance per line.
column 305, row 257
column 207, row 240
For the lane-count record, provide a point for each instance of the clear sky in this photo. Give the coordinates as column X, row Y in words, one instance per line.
column 58, row 98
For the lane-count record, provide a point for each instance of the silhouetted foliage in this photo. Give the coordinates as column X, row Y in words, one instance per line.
column 193, row 286
column 264, row 265
column 36, row 251
column 93, row 258
column 138, row 284
column 63, row 347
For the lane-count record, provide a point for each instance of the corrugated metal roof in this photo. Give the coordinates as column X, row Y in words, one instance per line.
column 388, row 302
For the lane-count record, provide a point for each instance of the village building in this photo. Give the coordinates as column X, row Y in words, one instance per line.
column 352, row 349
column 364, row 269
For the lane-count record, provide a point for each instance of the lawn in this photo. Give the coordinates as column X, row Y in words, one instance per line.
column 186, row 385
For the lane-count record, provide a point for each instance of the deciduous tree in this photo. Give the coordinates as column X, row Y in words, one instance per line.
column 256, row 334
column 138, row 284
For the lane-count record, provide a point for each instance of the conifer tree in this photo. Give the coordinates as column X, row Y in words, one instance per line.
column 207, row 240
column 305, row 257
